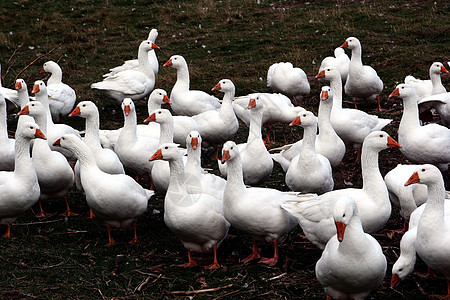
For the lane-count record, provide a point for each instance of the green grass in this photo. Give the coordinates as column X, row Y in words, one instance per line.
column 67, row 258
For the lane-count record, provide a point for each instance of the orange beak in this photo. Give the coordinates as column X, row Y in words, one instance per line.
column 154, row 46
column 168, row 63
column 395, row 93
column 217, row 87
column 413, row 179
column 166, row 99
column 75, row 112
column 194, row 143
column 39, row 134
column 35, row 89
column 296, row 121
column 444, row 70
column 344, row 45
column 157, row 155
column 392, row 143
column 151, row 118
column 321, row 74
column 225, row 156
column 42, row 70
column 57, row 143
column 395, row 280
column 324, row 95
column 251, row 103
column 340, row 227
column 24, row 111
column 127, row 110
column 18, row 85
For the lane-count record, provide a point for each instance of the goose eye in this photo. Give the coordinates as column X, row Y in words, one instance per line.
column 400, row 270
column 84, row 105
column 381, row 135
column 231, row 148
column 423, row 170
column 31, row 127
column 343, row 215
column 32, row 104
column 159, row 112
column 304, row 115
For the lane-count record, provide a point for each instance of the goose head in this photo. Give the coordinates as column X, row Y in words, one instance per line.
column 437, row 68
column 406, row 261
column 21, row 85
column 380, row 140
column 160, row 116
column 159, row 96
column 50, row 67
column 84, row 109
column 193, row 139
column 425, row 174
column 229, row 151
column 148, row 45
column 168, row 152
column 330, row 74
column 127, row 106
column 304, row 119
column 344, row 210
column 68, row 141
column 175, row 61
column 326, row 93
column 33, row 108
column 224, row 85
column 39, row 87
column 404, row 91
column 256, row 104
column 351, row 43
column 30, row 130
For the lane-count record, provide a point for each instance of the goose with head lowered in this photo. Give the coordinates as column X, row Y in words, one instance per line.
column 134, row 84
column 352, row 263
column 420, row 144
column 196, row 219
column 316, row 216
column 19, row 189
column 115, row 198
column 187, row 102
column 255, row 211
column 55, row 175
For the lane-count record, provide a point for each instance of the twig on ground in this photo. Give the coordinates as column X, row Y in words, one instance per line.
column 40, row 222
column 145, row 282
column 23, row 265
column 101, row 294
column 154, row 275
column 195, row 292
column 70, row 232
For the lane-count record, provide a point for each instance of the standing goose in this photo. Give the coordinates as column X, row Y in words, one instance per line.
column 24, row 98
column 54, row 173
column 19, row 189
column 196, row 219
column 7, row 148
column 316, row 216
column 61, row 97
column 363, row 81
column 309, row 172
column 115, row 198
column 420, row 144
column 134, row 84
column 187, row 102
column 433, row 86
column 352, row 263
column 433, row 229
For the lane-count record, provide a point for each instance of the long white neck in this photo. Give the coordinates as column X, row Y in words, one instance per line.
column 41, row 120
column 354, row 236
column 193, row 162
column 92, row 136
column 42, row 97
column 23, row 97
column 410, row 116
column 373, row 182
column 56, row 76
column 433, row 216
column 23, row 166
column 336, row 87
column 144, row 64
column 166, row 132
column 254, row 134
column 356, row 61
column 152, row 105
column 182, row 82
column 226, row 109
column 235, row 178
column 324, row 123
column 3, row 123
column 436, row 82
column 177, row 187
column 130, row 127
column 84, row 155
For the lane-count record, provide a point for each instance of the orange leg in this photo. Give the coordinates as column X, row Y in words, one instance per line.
column 267, row 139
column 68, row 212
column 379, row 106
column 135, row 239
column 8, row 232
column 358, row 156
column 91, row 214
column 216, row 156
column 255, row 254
column 272, row 261
column 354, row 101
column 190, row 263
column 215, row 264
column 42, row 213
column 110, row 239
column 402, row 230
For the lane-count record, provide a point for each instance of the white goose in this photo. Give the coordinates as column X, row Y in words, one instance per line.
column 316, row 216
column 7, row 150
column 352, row 263
column 9, row 94
column 19, row 189
column 134, row 84
column 309, row 172
column 256, row 211
column 196, row 178
column 133, row 64
column 363, row 81
column 115, row 198
column 328, row 143
column 283, row 78
column 351, row 125
column 420, row 144
column 24, row 98
column 257, row 164
column 61, row 97
column 433, row 229
column 441, row 102
column 196, row 219
column 188, row 102
column 433, row 86
column 54, row 173
column 340, row 61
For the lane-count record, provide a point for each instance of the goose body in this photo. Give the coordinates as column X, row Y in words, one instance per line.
column 352, row 263
column 420, row 144
column 61, row 97
column 316, row 216
column 187, row 102
column 340, row 61
column 7, row 145
column 134, row 84
column 283, row 78
column 441, row 102
column 9, row 94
